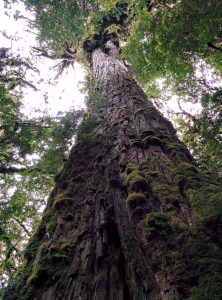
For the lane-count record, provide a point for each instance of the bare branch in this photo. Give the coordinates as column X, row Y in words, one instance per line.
column 186, row 113
column 211, row 45
column 22, row 225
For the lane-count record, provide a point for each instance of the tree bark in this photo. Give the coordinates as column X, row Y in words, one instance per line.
column 126, row 219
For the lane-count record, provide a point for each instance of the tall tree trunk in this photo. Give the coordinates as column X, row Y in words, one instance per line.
column 130, row 217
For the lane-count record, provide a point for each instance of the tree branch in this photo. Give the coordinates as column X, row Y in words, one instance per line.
column 21, row 123
column 211, row 45
column 22, row 225
column 186, row 113
column 12, row 170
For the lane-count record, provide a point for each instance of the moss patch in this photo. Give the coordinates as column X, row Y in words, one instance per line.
column 135, row 143
column 135, row 199
column 168, row 193
column 131, row 167
column 174, row 147
column 47, row 224
column 163, row 136
column 38, row 265
column 156, row 221
column 145, row 133
column 62, row 200
column 51, row 221
column 151, row 140
column 178, row 224
column 60, row 251
column 188, row 168
column 135, row 181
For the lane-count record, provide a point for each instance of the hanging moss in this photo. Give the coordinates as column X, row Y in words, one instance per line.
column 151, row 140
column 86, row 127
column 135, row 199
column 135, row 180
column 178, row 224
column 163, row 136
column 156, row 174
column 179, row 179
column 47, row 254
column 51, row 225
column 62, row 200
column 188, row 168
column 168, row 195
column 156, row 177
column 38, row 266
column 145, row 133
column 132, row 133
column 38, row 276
column 156, row 221
column 135, row 143
column 31, row 247
column 143, row 163
column 131, row 167
column 174, row 147
column 61, row 251
column 159, row 188
column 48, row 224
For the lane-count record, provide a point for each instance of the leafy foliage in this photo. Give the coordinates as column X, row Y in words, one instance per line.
column 203, row 133
column 60, row 21
column 170, row 39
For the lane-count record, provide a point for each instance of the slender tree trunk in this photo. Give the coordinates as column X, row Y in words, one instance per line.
column 130, row 216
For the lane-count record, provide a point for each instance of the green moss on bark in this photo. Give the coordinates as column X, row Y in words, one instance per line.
column 131, row 167
column 151, row 140
column 145, row 133
column 165, row 192
column 48, row 224
column 135, row 199
column 62, row 200
column 135, row 181
column 38, row 265
column 156, row 221
column 187, row 168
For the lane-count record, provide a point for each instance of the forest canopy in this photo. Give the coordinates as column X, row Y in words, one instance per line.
column 177, row 43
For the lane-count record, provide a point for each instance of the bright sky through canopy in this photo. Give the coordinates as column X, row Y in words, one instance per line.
column 52, row 95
